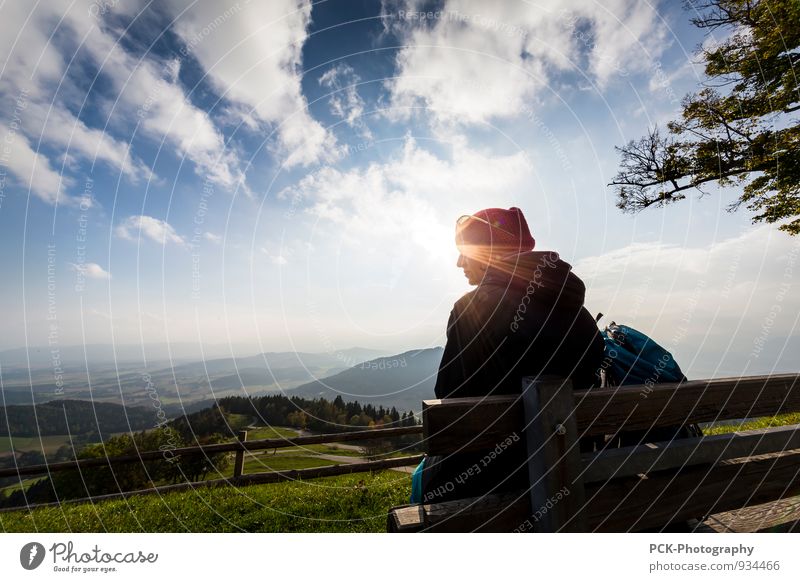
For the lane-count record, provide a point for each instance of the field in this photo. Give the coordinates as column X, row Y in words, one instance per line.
column 349, row 503
column 270, row 432
column 50, row 444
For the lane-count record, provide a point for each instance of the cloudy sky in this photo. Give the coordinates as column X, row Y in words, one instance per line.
column 285, row 175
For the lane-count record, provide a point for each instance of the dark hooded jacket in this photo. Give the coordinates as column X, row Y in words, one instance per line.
column 525, row 318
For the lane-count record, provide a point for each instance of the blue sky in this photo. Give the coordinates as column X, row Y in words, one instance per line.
column 285, row 175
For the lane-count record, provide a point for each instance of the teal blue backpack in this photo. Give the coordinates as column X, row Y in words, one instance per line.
column 633, row 358
column 416, row 483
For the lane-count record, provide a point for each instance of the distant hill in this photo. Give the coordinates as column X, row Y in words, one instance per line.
column 185, row 381
column 273, row 361
column 402, row 381
column 107, row 356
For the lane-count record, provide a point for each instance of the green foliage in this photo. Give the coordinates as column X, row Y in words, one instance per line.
column 349, row 503
column 740, row 129
column 60, row 417
column 113, row 477
column 316, row 414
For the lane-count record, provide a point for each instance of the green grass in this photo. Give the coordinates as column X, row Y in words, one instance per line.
column 271, row 432
column 238, row 421
column 349, row 503
column 765, row 422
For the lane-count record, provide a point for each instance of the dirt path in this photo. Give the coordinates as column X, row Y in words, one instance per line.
column 357, row 460
column 337, row 458
column 340, row 445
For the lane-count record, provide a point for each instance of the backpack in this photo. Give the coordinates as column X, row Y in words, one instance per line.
column 416, row 483
column 631, row 357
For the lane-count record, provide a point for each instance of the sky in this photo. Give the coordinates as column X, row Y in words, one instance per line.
column 286, row 175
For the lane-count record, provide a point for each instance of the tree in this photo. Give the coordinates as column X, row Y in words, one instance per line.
column 64, row 453
column 740, row 128
column 28, row 458
column 197, row 467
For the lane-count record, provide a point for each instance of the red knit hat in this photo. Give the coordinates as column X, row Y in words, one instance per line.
column 497, row 228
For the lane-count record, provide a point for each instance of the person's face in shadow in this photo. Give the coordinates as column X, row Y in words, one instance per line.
column 475, row 260
column 474, row 270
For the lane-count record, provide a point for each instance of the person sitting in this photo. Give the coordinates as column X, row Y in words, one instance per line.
column 525, row 317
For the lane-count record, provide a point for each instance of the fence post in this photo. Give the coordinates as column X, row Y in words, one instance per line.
column 554, row 459
column 239, row 463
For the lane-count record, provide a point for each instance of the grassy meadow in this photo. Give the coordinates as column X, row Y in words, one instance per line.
column 348, row 503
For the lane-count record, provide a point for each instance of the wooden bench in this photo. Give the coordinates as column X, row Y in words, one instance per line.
column 632, row 488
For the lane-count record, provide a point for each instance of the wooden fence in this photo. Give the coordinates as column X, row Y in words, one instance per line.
column 240, row 447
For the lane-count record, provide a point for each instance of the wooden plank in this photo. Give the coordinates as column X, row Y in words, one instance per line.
column 554, row 462
column 473, row 424
column 405, row 519
column 631, row 504
column 649, row 457
column 248, row 479
column 488, row 514
column 208, row 450
column 637, row 503
column 238, row 464
column 776, row 516
column 457, row 425
column 636, row 408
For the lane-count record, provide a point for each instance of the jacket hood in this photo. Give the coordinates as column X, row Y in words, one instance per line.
column 539, row 273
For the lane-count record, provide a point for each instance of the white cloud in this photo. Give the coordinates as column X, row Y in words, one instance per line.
column 134, row 227
column 276, row 259
column 33, row 169
column 402, row 198
column 59, row 127
column 147, row 90
column 345, row 102
column 30, row 60
column 152, row 95
column 214, row 238
column 101, row 314
column 709, row 304
column 252, row 52
column 475, row 62
column 91, row 270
